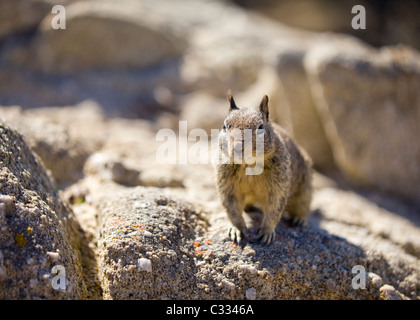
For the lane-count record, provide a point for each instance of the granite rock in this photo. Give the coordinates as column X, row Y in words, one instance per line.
column 369, row 104
column 39, row 232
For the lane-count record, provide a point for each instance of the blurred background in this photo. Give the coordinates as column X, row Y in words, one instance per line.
column 389, row 22
column 350, row 97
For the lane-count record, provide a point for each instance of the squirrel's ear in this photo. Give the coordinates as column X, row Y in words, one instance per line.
column 264, row 106
column 231, row 101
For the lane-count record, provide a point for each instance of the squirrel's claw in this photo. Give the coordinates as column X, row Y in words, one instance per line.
column 237, row 235
column 266, row 236
column 298, row 222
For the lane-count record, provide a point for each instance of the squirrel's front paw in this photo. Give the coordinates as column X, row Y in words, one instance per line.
column 296, row 222
column 266, row 236
column 237, row 235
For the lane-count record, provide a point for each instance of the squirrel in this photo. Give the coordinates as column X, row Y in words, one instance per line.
column 284, row 183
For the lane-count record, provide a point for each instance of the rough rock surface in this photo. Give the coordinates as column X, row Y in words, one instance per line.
column 152, row 245
column 172, row 223
column 363, row 96
column 143, row 246
column 38, row 231
column 185, row 229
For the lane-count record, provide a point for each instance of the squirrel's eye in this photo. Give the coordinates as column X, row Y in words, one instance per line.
column 260, row 127
column 224, row 128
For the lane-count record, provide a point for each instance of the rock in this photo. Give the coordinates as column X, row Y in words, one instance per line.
column 375, row 280
column 296, row 108
column 147, row 235
column 185, row 229
column 134, row 37
column 38, row 231
column 110, row 168
column 128, row 157
column 389, row 293
column 324, row 17
column 163, row 270
column 203, row 111
column 231, row 53
column 22, row 15
column 350, row 208
column 306, row 127
column 389, row 240
column 48, row 67
column 204, row 68
column 369, row 103
column 140, row 229
column 76, row 65
column 171, row 242
column 6, row 205
column 55, row 135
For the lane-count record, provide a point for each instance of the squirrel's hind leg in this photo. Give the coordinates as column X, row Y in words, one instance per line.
column 298, row 209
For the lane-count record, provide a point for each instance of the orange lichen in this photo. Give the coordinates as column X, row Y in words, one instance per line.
column 207, row 241
column 127, row 228
column 117, row 222
column 198, row 252
column 140, row 227
column 196, row 244
column 234, row 245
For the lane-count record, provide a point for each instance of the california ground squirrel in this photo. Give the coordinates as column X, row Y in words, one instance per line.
column 284, row 185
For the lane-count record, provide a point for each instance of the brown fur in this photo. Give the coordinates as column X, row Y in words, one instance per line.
column 283, row 185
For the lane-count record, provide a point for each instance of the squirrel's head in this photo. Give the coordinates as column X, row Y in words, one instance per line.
column 247, row 132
